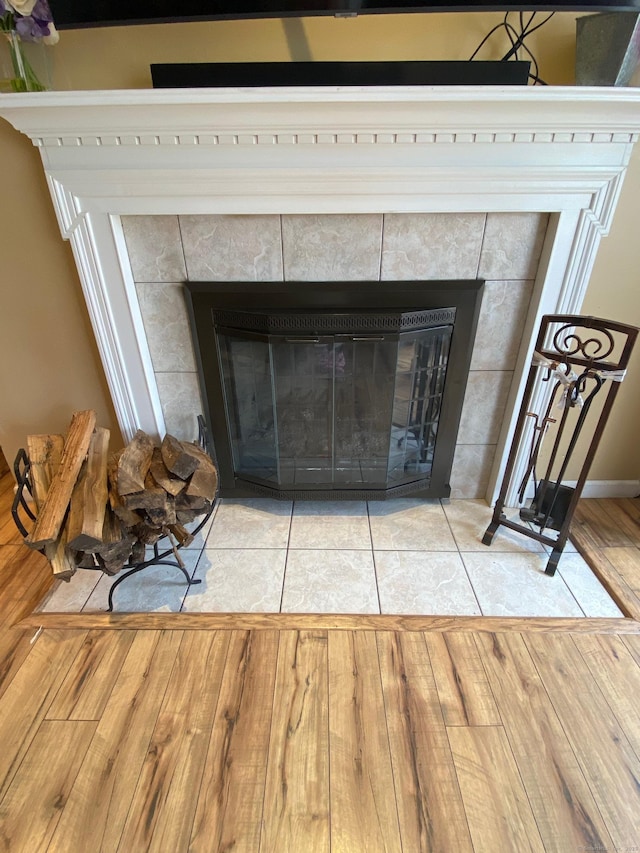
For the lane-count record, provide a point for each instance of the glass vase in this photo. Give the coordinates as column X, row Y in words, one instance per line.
column 24, row 66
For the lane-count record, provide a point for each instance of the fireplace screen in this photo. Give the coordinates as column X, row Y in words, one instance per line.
column 332, row 401
column 334, row 410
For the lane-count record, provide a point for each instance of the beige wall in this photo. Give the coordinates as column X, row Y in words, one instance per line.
column 50, row 365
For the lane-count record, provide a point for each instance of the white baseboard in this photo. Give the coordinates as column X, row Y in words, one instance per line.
column 603, row 488
column 609, row 488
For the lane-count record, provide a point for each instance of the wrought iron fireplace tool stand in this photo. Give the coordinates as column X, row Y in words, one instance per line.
column 575, row 358
column 161, row 556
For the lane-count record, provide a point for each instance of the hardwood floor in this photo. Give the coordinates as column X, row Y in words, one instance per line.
column 257, row 736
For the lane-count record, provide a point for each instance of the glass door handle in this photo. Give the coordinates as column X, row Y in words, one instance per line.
column 373, row 338
column 302, row 340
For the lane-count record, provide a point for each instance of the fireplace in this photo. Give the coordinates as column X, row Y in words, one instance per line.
column 325, row 151
column 334, row 390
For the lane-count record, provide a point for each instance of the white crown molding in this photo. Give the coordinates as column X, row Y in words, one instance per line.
column 323, row 150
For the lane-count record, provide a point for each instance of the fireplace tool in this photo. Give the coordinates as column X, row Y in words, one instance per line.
column 575, row 358
column 160, row 554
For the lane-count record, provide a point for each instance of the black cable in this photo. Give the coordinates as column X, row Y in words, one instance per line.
column 517, row 40
column 507, row 26
column 527, row 32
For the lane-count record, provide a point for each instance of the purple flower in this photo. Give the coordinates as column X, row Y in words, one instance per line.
column 34, row 26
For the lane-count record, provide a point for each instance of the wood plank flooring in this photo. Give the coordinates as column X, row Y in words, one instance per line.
column 349, row 737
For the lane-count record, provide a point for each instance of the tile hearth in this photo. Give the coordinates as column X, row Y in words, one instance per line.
column 399, row 557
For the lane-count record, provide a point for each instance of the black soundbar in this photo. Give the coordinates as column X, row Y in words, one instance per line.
column 410, row 73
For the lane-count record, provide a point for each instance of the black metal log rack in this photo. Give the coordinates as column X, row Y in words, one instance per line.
column 164, row 551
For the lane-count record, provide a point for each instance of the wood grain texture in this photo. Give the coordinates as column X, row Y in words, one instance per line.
column 14, row 650
column 90, row 495
column 430, row 809
column 45, row 455
column 163, row 805
column 296, row 801
column 363, row 808
column 328, row 622
column 31, row 808
column 51, row 514
column 626, row 562
column 602, row 748
column 25, row 577
column 85, row 691
column 463, row 689
column 495, row 801
column 610, row 576
column 598, row 527
column 562, row 802
column 618, row 676
column 26, row 700
column 229, row 811
column 98, row 803
column 134, row 463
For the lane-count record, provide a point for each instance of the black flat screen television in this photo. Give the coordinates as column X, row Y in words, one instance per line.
column 71, row 14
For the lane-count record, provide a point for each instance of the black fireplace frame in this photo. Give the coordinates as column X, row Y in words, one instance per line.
column 331, row 303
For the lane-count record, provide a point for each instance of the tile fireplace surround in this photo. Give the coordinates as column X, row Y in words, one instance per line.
column 457, row 165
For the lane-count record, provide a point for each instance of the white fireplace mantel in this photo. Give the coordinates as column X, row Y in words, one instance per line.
column 322, row 150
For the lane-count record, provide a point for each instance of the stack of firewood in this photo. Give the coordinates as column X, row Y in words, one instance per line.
column 101, row 510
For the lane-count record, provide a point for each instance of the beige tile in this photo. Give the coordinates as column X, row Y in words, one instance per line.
column 330, row 524
column 247, row 580
column 330, row 582
column 154, row 247
column 330, row 533
column 512, row 245
column 431, row 245
column 484, row 405
column 469, row 520
column 70, row 597
column 471, row 470
column 502, row 317
column 181, row 403
column 251, row 523
column 421, row 583
column 232, row 248
column 332, row 247
column 586, row 588
column 164, row 314
column 515, row 585
column 409, row 525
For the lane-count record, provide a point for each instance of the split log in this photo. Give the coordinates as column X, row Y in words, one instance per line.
column 163, row 477
column 133, row 464
column 138, row 552
column 179, row 461
column 112, row 529
column 194, row 503
column 181, row 534
column 147, row 534
column 45, row 454
column 51, row 515
column 204, row 480
column 113, row 558
column 89, row 498
column 126, row 516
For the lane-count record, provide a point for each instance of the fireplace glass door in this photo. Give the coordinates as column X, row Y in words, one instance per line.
column 338, row 411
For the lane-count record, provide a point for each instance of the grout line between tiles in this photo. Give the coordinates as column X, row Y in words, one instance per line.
column 286, row 556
